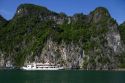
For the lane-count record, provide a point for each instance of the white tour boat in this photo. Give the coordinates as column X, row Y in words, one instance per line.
column 41, row 66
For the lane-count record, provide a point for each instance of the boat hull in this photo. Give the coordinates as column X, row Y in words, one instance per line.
column 25, row 68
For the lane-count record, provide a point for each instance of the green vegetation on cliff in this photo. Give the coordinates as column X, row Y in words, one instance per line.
column 26, row 34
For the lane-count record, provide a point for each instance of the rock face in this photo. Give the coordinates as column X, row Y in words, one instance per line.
column 99, row 13
column 2, row 61
column 114, row 39
column 69, row 56
column 36, row 34
column 29, row 9
column 5, row 62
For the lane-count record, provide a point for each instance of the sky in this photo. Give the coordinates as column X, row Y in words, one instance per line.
column 70, row 7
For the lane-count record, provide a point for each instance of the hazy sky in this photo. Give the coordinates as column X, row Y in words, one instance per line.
column 115, row 7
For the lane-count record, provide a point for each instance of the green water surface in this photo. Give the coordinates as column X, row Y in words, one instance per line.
column 61, row 76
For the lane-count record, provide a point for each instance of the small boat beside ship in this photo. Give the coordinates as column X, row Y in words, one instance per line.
column 41, row 66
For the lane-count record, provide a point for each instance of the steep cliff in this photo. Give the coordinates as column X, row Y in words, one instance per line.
column 36, row 34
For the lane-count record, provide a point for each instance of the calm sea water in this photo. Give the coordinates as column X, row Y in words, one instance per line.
column 61, row 76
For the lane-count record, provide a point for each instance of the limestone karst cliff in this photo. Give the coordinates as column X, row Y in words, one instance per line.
column 36, row 34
